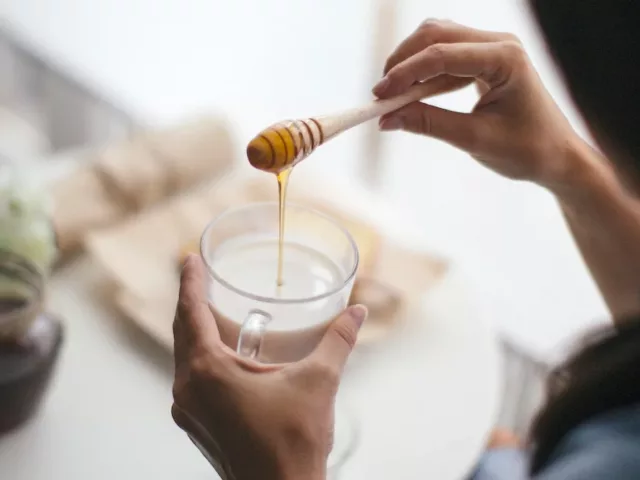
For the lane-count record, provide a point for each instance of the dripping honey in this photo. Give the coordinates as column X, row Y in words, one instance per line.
column 283, row 184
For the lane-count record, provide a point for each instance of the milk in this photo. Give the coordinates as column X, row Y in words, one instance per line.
column 298, row 321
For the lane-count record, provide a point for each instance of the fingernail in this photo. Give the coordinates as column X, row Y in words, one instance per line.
column 358, row 313
column 381, row 86
column 392, row 123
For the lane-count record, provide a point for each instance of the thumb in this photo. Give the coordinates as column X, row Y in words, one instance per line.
column 194, row 322
column 459, row 129
column 338, row 342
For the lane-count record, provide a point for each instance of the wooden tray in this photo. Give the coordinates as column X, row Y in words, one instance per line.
column 142, row 255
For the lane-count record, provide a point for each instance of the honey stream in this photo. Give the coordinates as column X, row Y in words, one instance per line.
column 283, row 184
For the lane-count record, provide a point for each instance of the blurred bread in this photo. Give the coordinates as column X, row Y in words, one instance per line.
column 385, row 303
column 192, row 152
column 131, row 176
column 82, row 203
column 132, row 172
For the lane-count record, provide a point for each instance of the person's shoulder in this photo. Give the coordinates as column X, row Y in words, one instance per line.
column 605, row 448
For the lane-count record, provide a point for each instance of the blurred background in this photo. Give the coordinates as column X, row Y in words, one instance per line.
column 77, row 76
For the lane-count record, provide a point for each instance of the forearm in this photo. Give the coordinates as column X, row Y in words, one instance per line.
column 605, row 222
column 311, row 473
column 302, row 465
column 290, row 469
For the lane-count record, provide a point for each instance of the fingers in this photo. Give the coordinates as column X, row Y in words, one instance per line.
column 492, row 63
column 340, row 338
column 194, row 323
column 459, row 129
column 432, row 32
column 428, row 33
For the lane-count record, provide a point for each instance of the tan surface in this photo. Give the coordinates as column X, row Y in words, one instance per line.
column 128, row 177
column 193, row 151
column 132, row 172
column 82, row 203
column 143, row 255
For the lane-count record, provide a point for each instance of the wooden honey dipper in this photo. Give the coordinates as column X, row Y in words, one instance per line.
column 286, row 143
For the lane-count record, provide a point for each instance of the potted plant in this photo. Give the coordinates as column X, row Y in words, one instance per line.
column 30, row 339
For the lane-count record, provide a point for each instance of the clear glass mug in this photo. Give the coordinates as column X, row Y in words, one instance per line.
column 271, row 323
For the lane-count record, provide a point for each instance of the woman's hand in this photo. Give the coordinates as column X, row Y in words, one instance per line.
column 253, row 420
column 515, row 128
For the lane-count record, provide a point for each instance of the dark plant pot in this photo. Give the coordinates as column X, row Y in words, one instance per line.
column 30, row 340
column 26, row 367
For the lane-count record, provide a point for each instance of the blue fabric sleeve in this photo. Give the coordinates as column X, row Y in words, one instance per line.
column 502, row 464
column 605, row 448
column 600, row 460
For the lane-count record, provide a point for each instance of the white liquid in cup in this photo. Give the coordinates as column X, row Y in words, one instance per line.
column 250, row 265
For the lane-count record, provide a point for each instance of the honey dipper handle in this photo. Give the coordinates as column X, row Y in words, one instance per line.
column 333, row 125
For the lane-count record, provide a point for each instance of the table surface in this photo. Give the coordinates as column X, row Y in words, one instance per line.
column 436, row 384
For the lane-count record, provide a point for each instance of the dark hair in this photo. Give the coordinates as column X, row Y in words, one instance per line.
column 596, row 44
column 600, row 377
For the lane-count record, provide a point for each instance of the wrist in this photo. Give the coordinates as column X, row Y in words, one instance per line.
column 587, row 175
column 303, row 467
column 305, row 475
column 304, row 471
column 298, row 469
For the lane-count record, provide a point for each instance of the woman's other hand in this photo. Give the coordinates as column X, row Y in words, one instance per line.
column 515, row 128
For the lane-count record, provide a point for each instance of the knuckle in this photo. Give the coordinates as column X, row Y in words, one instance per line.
column 437, row 53
column 200, row 367
column 346, row 333
column 438, row 50
column 325, row 375
column 430, row 24
column 515, row 53
column 186, row 300
column 209, row 365
column 296, row 431
column 429, row 30
column 394, row 73
column 512, row 37
column 389, row 64
column 332, row 378
column 397, row 74
column 182, row 308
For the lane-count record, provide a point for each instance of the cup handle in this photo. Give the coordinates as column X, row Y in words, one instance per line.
column 252, row 333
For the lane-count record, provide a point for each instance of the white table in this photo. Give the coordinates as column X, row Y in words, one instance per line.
column 425, row 401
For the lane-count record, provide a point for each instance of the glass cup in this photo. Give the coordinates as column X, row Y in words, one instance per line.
column 274, row 323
